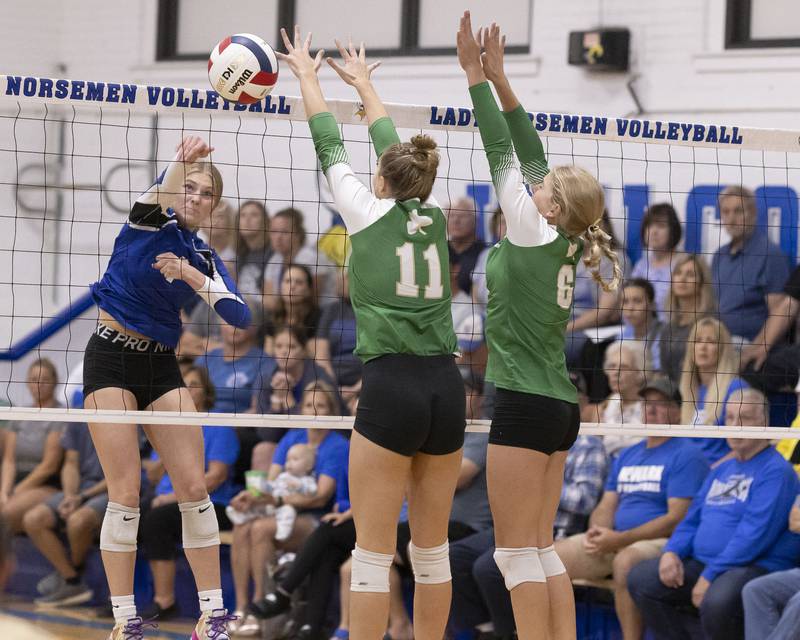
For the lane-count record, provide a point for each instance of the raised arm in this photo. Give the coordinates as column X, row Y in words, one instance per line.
column 357, row 73
column 305, row 67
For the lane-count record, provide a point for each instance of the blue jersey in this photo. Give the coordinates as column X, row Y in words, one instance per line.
column 138, row 296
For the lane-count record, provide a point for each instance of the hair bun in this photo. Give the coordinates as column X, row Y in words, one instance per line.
column 423, row 142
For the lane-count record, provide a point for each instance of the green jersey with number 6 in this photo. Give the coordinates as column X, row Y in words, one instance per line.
column 530, row 273
column 399, row 268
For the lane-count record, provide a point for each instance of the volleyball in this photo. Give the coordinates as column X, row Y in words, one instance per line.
column 243, row 68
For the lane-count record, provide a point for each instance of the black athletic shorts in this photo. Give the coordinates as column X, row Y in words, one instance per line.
column 531, row 421
column 146, row 368
column 412, row 403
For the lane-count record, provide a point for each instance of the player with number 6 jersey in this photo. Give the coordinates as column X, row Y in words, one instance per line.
column 530, row 276
column 409, row 427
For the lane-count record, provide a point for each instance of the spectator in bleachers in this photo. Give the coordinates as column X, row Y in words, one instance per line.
column 708, row 381
column 288, row 237
column 480, row 292
column 79, row 509
column 296, row 305
column 32, row 451
column 625, row 365
column 772, row 602
column 222, row 234
column 160, row 528
column 749, row 272
column 254, row 544
column 253, row 250
column 660, row 233
column 463, row 243
column 648, row 492
column 691, row 297
column 480, row 597
column 734, row 531
column 336, row 340
column 640, row 318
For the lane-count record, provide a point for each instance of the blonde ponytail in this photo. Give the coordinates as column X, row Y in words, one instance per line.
column 598, row 244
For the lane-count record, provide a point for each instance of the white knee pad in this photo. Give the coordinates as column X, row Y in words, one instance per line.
column 120, row 526
column 432, row 565
column 519, row 565
column 370, row 572
column 551, row 562
column 200, row 527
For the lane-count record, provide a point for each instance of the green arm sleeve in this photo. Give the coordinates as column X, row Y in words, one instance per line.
column 327, row 141
column 383, row 135
column 528, row 145
column 495, row 134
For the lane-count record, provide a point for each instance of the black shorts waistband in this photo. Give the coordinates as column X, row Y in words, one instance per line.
column 414, row 359
column 131, row 343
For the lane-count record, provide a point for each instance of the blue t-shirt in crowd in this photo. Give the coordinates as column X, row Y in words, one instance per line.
column 235, row 381
column 740, row 516
column 332, row 457
column 645, row 478
column 221, row 445
column 714, row 448
column 743, row 280
column 76, row 437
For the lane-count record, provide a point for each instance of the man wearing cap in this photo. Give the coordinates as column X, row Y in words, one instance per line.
column 647, row 493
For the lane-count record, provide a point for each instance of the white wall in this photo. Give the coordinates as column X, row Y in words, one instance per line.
column 682, row 71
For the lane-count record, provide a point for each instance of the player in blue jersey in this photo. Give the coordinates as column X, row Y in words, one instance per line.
column 158, row 264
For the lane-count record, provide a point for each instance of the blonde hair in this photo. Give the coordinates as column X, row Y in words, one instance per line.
column 211, row 171
column 580, row 197
column 224, row 207
column 409, row 168
column 705, row 301
column 723, row 376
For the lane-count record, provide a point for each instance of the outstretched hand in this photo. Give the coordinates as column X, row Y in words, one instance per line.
column 297, row 55
column 192, row 148
column 492, row 57
column 468, row 45
column 355, row 69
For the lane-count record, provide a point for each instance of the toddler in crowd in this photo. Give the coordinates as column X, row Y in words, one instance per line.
column 295, row 479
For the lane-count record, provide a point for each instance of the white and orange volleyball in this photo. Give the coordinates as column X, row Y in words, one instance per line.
column 243, row 68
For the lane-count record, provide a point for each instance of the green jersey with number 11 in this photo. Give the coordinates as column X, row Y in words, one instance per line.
column 530, row 273
column 399, row 268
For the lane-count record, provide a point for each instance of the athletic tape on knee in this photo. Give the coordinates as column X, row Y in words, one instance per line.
column 551, row 562
column 519, row 565
column 432, row 565
column 370, row 571
column 199, row 524
column 120, row 526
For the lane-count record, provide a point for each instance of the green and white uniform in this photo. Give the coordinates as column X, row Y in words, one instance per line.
column 399, row 282
column 530, row 273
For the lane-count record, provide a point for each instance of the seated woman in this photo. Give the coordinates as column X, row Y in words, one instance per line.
column 640, row 318
column 32, row 454
column 709, row 378
column 690, row 298
column 660, row 233
column 160, row 528
column 254, row 544
column 253, row 251
column 296, row 306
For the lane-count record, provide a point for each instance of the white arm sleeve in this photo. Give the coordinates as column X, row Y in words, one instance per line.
column 214, row 290
column 354, row 201
column 526, row 226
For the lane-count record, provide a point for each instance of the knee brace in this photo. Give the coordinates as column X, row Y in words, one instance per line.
column 431, row 566
column 120, row 526
column 199, row 524
column 519, row 565
column 370, row 572
column 551, row 562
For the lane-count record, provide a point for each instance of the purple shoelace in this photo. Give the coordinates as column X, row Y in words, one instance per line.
column 217, row 624
column 134, row 630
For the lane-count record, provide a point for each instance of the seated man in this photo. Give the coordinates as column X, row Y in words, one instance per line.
column 734, row 531
column 79, row 508
column 648, row 491
column 772, row 602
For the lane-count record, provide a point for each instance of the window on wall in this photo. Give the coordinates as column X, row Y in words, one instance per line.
column 762, row 23
column 188, row 29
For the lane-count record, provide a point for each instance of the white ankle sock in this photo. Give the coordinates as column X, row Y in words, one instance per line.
column 124, row 608
column 210, row 600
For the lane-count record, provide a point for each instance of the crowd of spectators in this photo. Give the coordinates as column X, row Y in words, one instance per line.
column 687, row 532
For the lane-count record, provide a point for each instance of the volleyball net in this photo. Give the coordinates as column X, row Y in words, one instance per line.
column 75, row 155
